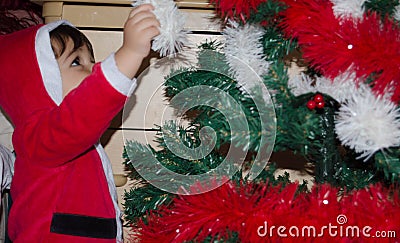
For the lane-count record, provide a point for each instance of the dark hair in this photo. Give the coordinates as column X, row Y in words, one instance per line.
column 18, row 14
column 62, row 33
column 18, row 4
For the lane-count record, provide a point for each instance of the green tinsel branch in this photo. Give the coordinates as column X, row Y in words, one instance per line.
column 267, row 13
column 385, row 8
column 311, row 134
column 305, row 132
column 145, row 197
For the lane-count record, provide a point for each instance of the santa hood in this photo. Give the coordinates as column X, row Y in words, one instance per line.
column 31, row 78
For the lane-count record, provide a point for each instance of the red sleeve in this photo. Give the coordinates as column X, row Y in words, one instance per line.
column 57, row 135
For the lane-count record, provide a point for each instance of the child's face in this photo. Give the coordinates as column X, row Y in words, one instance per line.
column 75, row 65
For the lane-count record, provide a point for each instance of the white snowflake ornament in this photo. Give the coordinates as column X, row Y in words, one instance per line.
column 367, row 123
column 173, row 36
column 340, row 88
column 397, row 13
column 348, row 8
column 243, row 49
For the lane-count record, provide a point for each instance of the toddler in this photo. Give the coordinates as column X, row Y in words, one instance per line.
column 60, row 102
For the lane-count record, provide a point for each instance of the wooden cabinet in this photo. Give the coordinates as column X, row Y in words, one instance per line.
column 112, row 14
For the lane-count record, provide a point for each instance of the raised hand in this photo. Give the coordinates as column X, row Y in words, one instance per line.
column 140, row 28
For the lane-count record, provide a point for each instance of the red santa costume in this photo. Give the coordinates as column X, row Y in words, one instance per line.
column 63, row 188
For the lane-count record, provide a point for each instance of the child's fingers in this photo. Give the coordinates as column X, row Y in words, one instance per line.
column 150, row 32
column 135, row 28
column 146, row 23
column 141, row 8
column 140, row 16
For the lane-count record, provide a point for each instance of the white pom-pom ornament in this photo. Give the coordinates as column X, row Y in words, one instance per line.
column 172, row 35
column 367, row 123
column 244, row 50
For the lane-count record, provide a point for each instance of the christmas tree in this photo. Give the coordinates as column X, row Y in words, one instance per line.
column 340, row 113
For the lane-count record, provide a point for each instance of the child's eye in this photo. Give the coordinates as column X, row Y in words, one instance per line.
column 75, row 62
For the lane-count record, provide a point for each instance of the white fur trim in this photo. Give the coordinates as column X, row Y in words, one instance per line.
column 111, row 187
column 118, row 80
column 47, row 61
column 7, row 159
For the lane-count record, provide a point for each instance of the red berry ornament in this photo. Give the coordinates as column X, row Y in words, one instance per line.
column 311, row 104
column 320, row 105
column 316, row 102
column 318, row 98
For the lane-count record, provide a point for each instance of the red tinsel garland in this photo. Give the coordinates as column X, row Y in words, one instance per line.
column 236, row 8
column 256, row 211
column 368, row 46
column 332, row 45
